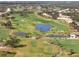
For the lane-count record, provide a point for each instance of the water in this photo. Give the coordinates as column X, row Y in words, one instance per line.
column 20, row 33
column 43, row 27
column 57, row 36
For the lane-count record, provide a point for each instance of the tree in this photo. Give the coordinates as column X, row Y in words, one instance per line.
column 55, row 15
column 71, row 52
column 13, row 42
column 8, row 24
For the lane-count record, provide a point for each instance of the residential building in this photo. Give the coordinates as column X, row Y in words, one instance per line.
column 65, row 18
column 47, row 15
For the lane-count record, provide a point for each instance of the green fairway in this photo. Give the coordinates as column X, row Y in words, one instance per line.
column 39, row 29
column 37, row 48
column 25, row 24
column 42, row 47
column 68, row 44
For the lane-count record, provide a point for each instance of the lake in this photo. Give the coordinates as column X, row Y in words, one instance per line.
column 43, row 27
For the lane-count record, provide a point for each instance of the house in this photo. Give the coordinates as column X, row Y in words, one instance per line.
column 43, row 27
column 67, row 10
column 5, row 12
column 8, row 10
column 77, row 23
column 73, row 36
column 29, row 8
column 39, row 8
column 65, row 18
column 47, row 15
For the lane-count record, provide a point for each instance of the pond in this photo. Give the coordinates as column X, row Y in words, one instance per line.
column 43, row 27
column 57, row 36
column 21, row 34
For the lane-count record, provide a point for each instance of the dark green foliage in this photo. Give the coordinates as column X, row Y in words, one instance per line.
column 13, row 42
column 9, row 25
column 71, row 52
column 7, row 54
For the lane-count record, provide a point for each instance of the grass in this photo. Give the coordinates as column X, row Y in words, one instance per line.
column 58, row 24
column 26, row 24
column 42, row 47
column 4, row 33
column 68, row 44
column 37, row 48
column 4, row 54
